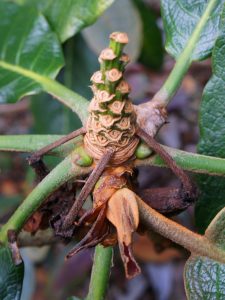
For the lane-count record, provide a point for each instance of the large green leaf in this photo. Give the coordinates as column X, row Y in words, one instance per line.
column 11, row 276
column 216, row 230
column 27, row 44
column 180, row 18
column 70, row 16
column 204, row 277
column 212, row 136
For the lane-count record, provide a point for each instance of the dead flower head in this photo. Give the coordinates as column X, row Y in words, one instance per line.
column 114, row 217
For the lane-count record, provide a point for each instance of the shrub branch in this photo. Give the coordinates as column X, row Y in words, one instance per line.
column 179, row 234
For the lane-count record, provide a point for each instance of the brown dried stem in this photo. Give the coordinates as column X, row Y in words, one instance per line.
column 167, row 158
column 37, row 155
column 87, row 188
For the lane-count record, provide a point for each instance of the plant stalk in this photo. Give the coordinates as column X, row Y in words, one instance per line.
column 193, row 162
column 100, row 273
column 32, row 143
column 74, row 101
column 179, row 234
column 63, row 172
column 169, row 88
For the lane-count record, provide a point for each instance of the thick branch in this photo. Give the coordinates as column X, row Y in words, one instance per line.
column 179, row 234
column 192, row 162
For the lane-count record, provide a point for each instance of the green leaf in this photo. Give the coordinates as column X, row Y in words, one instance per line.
column 69, row 17
column 152, row 48
column 40, row 4
column 204, row 279
column 33, row 57
column 181, row 17
column 11, row 276
column 216, row 230
column 27, row 44
column 212, row 137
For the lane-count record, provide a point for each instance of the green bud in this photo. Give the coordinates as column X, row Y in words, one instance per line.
column 142, row 151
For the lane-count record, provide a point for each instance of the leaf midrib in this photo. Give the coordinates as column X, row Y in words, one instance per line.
column 73, row 100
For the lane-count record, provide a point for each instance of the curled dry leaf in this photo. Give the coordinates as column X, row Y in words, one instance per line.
column 112, row 180
column 113, row 218
column 122, row 212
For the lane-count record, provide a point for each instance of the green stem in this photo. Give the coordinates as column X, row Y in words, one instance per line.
column 164, row 95
column 100, row 273
column 63, row 172
column 77, row 103
column 193, row 162
column 32, row 143
column 188, row 161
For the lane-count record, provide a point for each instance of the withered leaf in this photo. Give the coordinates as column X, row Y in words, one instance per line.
column 122, row 212
column 112, row 180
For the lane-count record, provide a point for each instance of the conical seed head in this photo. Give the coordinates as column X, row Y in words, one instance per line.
column 111, row 110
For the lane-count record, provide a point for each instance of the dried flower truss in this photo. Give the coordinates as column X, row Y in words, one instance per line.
column 112, row 137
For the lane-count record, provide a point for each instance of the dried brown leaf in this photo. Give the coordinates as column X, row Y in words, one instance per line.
column 123, row 213
column 111, row 181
